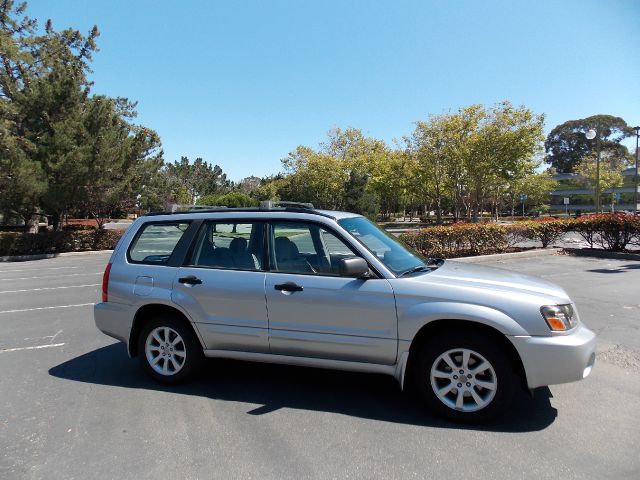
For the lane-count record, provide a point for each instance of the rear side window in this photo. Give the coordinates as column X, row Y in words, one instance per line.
column 229, row 245
column 155, row 243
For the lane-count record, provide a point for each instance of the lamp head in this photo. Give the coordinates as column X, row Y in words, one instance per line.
column 591, row 134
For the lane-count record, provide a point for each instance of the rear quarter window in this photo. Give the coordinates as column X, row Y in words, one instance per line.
column 155, row 242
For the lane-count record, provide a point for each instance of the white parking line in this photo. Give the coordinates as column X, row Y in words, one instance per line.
column 37, row 268
column 56, row 276
column 46, row 308
column 37, row 347
column 48, row 288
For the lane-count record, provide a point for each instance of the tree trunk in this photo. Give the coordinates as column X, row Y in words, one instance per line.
column 57, row 219
column 438, row 212
column 33, row 220
column 475, row 211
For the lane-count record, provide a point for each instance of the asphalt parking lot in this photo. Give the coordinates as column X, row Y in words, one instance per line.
column 73, row 405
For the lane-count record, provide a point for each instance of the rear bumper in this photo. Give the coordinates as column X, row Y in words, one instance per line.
column 113, row 319
column 557, row 359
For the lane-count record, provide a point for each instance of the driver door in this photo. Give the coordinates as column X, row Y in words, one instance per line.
column 313, row 312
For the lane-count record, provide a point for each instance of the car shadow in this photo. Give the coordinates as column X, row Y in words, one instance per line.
column 369, row 396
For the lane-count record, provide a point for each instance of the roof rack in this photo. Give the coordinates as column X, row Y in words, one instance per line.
column 271, row 204
column 266, row 205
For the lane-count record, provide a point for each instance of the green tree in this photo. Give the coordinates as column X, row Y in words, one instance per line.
column 505, row 138
column 248, row 184
column 231, row 199
column 269, row 188
column 343, row 163
column 567, row 145
column 536, row 186
column 198, row 177
column 358, row 198
column 313, row 177
column 611, row 167
column 120, row 158
column 43, row 83
column 432, row 145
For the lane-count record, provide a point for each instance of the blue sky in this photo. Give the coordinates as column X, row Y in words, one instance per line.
column 242, row 83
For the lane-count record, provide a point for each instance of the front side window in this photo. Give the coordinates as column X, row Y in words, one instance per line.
column 306, row 248
column 229, row 245
column 156, row 241
column 389, row 251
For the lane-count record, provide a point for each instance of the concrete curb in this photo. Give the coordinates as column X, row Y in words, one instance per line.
column 537, row 252
column 43, row 256
column 595, row 253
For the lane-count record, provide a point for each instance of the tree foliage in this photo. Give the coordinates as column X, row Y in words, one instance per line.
column 231, row 200
column 63, row 148
column 198, row 177
column 610, row 172
column 567, row 145
column 459, row 162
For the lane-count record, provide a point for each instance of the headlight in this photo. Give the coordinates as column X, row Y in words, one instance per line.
column 559, row 317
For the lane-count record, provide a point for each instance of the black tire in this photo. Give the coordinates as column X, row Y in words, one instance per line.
column 501, row 375
column 192, row 349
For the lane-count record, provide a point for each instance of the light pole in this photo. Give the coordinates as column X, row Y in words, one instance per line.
column 635, row 176
column 591, row 134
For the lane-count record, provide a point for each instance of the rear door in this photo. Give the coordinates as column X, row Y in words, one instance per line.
column 222, row 286
column 313, row 312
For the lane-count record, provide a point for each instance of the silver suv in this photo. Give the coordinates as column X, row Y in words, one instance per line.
column 291, row 284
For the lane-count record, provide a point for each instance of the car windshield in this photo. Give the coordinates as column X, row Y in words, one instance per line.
column 396, row 257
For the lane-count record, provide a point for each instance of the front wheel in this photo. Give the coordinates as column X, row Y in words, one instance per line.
column 464, row 377
column 169, row 350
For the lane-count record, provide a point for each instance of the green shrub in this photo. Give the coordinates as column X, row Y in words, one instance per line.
column 58, row 242
column 543, row 230
column 458, row 240
column 231, row 200
column 611, row 231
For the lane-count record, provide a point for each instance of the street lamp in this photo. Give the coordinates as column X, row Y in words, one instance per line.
column 591, row 134
column 635, row 176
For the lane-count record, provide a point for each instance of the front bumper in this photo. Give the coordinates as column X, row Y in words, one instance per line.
column 113, row 319
column 557, row 359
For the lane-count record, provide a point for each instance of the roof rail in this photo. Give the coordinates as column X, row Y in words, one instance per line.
column 271, row 204
column 194, row 208
column 266, row 205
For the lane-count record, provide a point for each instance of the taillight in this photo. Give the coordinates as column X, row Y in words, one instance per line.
column 105, row 283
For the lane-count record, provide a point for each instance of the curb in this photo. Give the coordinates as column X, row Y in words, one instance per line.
column 595, row 253
column 537, row 252
column 43, row 256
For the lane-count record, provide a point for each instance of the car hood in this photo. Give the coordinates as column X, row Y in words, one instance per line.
column 481, row 277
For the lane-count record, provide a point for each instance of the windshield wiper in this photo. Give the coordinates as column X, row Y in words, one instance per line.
column 419, row 268
column 435, row 262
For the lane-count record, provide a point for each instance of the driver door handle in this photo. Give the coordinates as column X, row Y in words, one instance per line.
column 190, row 280
column 289, row 287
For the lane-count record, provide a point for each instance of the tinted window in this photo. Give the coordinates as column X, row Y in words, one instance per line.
column 156, row 242
column 235, row 246
column 306, row 248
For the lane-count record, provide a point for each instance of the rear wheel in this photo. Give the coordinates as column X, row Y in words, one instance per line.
column 464, row 377
column 169, row 350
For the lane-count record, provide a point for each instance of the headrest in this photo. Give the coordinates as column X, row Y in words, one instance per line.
column 238, row 245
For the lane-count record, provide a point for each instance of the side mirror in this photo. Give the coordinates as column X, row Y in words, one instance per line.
column 354, row 267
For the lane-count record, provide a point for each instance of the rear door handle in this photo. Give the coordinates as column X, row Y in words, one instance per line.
column 190, row 280
column 289, row 287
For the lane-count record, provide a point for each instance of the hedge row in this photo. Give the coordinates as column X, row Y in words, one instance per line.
column 68, row 240
column 613, row 232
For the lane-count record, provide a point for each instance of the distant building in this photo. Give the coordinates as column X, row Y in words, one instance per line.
column 581, row 194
